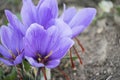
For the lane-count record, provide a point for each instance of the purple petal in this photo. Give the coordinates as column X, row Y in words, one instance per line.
column 83, row 17
column 68, row 14
column 77, row 30
column 28, row 13
column 63, row 28
column 53, row 37
column 18, row 59
column 6, row 35
column 11, row 39
column 28, row 48
column 47, row 11
column 52, row 63
column 5, row 52
column 33, row 62
column 36, row 39
column 64, row 44
column 56, row 34
column 6, row 62
column 14, row 22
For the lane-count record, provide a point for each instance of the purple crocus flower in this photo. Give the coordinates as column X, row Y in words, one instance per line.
column 45, row 47
column 11, row 47
column 46, row 14
column 78, row 21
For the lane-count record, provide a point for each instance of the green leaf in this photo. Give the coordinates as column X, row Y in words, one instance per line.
column 27, row 66
column 1, row 73
column 12, row 75
column 74, row 57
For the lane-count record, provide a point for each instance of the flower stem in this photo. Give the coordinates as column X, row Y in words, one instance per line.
column 38, row 76
column 44, row 73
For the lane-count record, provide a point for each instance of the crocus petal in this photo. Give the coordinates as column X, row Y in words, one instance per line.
column 64, row 45
column 35, row 36
column 77, row 30
column 4, row 52
column 6, row 37
column 28, row 13
column 28, row 49
column 47, row 11
column 10, row 39
column 52, row 63
column 33, row 62
column 18, row 59
column 7, row 62
column 83, row 17
column 68, row 14
column 38, row 39
column 56, row 35
column 64, row 29
column 15, row 23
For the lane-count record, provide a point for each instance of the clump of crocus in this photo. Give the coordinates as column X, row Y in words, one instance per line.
column 43, row 37
column 46, row 12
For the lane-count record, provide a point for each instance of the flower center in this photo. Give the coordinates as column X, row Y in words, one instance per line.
column 13, row 55
column 43, row 60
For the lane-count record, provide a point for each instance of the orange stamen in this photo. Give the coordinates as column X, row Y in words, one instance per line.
column 83, row 49
column 48, row 55
column 76, row 52
column 73, row 65
column 12, row 54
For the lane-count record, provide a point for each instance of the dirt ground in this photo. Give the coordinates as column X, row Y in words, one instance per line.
column 101, row 40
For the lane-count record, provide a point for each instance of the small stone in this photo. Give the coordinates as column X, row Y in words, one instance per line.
column 97, row 74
